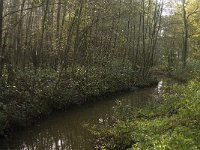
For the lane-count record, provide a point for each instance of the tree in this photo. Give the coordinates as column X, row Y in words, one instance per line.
column 185, row 34
column 1, row 39
column 179, row 26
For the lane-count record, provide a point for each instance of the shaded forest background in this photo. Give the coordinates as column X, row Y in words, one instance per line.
column 63, row 35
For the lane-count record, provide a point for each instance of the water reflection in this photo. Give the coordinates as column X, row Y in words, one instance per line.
column 63, row 130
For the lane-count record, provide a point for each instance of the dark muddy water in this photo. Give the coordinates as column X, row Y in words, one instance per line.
column 64, row 131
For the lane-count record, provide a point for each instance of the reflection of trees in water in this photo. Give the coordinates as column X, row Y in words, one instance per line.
column 127, row 107
column 63, row 131
column 139, row 99
column 63, row 135
column 164, row 86
column 52, row 138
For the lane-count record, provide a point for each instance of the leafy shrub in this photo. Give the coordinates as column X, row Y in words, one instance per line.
column 33, row 94
column 174, row 124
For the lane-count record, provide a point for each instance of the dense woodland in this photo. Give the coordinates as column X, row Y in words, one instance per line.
column 173, row 122
column 63, row 35
column 58, row 52
column 55, row 53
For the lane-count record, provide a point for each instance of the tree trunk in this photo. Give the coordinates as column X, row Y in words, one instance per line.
column 1, row 36
column 185, row 37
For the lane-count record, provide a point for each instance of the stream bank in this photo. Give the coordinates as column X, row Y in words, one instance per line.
column 22, row 106
column 63, row 130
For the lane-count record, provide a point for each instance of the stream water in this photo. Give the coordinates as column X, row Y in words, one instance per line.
column 64, row 131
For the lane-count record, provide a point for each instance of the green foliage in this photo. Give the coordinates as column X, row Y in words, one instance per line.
column 2, row 118
column 36, row 2
column 117, row 137
column 174, row 124
column 33, row 95
column 178, row 128
column 190, row 72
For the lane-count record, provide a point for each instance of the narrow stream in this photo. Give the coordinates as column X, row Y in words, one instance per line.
column 64, row 131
